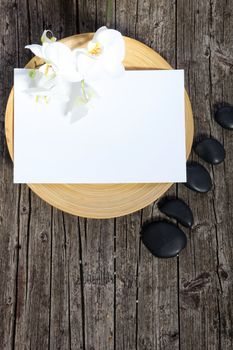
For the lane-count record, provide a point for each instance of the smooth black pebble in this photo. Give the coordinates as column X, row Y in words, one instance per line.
column 198, row 178
column 211, row 150
column 177, row 209
column 163, row 239
column 224, row 117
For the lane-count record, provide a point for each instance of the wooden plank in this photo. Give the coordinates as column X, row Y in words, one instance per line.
column 33, row 298
column 41, row 321
column 9, row 194
column 141, row 280
column 198, row 282
column 87, row 16
column 33, row 279
column 97, row 246
column 220, row 56
column 60, row 330
column 127, row 244
column 66, row 312
column 75, row 283
column 96, row 242
column 126, row 17
column 158, row 322
column 205, row 281
column 60, row 18
column 9, row 248
column 66, row 324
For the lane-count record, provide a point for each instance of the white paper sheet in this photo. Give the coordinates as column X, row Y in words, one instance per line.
column 134, row 133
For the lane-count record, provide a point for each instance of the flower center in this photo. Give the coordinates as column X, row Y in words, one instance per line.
column 94, row 49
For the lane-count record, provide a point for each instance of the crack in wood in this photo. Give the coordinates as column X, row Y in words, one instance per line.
column 50, row 276
column 28, row 240
column 82, row 285
column 16, row 272
column 68, row 278
column 114, row 297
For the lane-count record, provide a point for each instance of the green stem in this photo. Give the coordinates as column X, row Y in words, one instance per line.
column 109, row 12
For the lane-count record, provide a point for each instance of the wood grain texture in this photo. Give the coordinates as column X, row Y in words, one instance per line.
column 158, row 322
column 205, row 273
column 72, row 283
column 90, row 200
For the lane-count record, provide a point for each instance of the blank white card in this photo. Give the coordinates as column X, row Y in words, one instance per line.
column 134, row 132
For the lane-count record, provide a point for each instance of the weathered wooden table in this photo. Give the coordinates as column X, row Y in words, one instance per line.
column 71, row 283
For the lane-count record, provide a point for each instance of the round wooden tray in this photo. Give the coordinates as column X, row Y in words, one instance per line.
column 104, row 201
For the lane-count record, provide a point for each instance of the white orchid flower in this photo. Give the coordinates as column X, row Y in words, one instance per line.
column 57, row 56
column 102, row 56
column 67, row 75
column 45, row 87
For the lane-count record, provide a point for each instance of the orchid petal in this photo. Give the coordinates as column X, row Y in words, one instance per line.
column 62, row 60
column 108, row 37
column 115, row 48
column 115, row 70
column 98, row 32
column 82, row 50
column 46, row 39
column 36, row 49
column 58, row 54
column 71, row 75
column 83, row 62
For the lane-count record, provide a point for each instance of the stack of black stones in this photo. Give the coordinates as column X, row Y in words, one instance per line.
column 165, row 239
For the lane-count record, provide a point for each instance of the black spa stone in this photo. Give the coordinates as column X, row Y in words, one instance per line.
column 177, row 209
column 224, row 117
column 163, row 239
column 198, row 178
column 211, row 150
